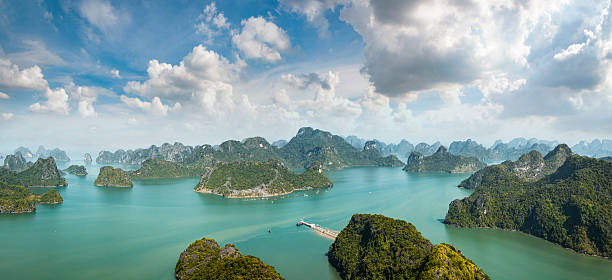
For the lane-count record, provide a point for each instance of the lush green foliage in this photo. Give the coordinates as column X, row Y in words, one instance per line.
column 16, row 199
column 157, row 168
column 272, row 177
column 204, row 259
column 113, row 177
column 332, row 151
column 78, row 170
column 445, row 262
column 43, row 172
column 442, row 161
column 378, row 247
column 571, row 206
column 306, row 147
column 50, row 197
column 530, row 166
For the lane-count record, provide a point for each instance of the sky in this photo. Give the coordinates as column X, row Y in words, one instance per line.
column 100, row 74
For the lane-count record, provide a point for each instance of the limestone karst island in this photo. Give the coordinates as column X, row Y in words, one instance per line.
column 311, row 139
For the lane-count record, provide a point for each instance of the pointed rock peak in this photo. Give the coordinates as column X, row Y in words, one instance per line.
column 441, row 150
column 561, row 149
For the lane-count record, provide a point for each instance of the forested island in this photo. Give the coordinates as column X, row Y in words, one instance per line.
column 113, row 177
column 259, row 179
column 378, row 247
column 78, row 170
column 442, row 161
column 43, row 173
column 18, row 199
column 562, row 197
column 205, row 259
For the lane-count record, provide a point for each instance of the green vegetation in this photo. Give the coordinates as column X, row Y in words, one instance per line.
column 530, row 166
column 50, row 197
column 157, row 168
column 43, row 172
column 251, row 149
column 307, row 146
column 378, row 247
column 78, row 170
column 16, row 199
column 113, row 177
column 442, row 161
column 256, row 179
column 204, row 259
column 571, row 206
column 332, row 151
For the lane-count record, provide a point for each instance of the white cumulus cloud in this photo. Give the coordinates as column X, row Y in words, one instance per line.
column 155, row 107
column 57, row 102
column 261, row 39
column 11, row 77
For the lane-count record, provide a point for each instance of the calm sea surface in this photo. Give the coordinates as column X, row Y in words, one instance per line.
column 138, row 233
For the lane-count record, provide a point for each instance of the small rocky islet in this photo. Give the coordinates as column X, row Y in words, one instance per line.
column 442, row 161
column 113, row 177
column 205, row 259
column 78, row 170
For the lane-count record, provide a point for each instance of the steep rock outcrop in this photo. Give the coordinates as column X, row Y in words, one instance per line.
column 204, row 259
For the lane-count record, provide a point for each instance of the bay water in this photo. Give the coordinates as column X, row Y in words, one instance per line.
column 139, row 232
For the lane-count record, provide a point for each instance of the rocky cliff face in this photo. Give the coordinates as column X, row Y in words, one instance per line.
column 426, row 149
column 57, row 154
column 204, row 259
column 43, row 173
column 174, row 153
column 442, row 161
column 25, row 152
column 530, row 166
column 569, row 206
column 16, row 162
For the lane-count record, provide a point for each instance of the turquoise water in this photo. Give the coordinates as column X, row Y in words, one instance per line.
column 138, row 233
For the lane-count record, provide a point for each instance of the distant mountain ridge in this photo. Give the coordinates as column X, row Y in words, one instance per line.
column 597, row 148
column 498, row 152
column 301, row 151
column 58, row 154
column 442, row 161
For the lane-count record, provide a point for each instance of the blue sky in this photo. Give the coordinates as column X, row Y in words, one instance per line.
column 92, row 74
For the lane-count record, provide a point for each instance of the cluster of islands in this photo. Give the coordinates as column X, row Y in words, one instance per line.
column 541, row 188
